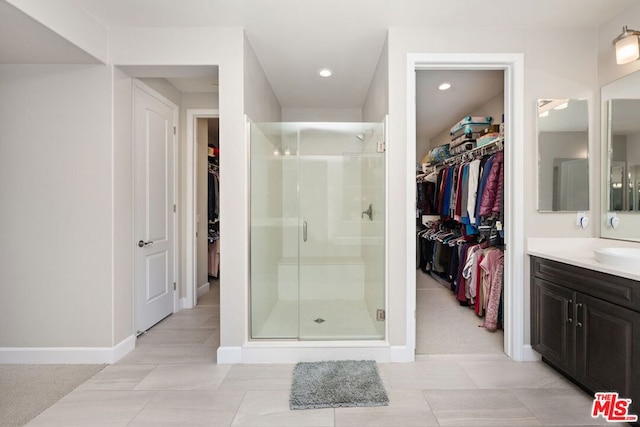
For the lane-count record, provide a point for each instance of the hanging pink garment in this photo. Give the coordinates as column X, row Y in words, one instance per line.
column 495, row 262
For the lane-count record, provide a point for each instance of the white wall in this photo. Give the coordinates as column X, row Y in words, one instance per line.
column 56, row 267
column 222, row 47
column 260, row 103
column 608, row 70
column 164, row 88
column 556, row 69
column 123, row 205
column 376, row 103
column 290, row 114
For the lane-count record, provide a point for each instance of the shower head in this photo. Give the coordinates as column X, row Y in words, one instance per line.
column 360, row 136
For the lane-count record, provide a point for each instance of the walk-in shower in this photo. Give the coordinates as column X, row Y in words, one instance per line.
column 317, row 231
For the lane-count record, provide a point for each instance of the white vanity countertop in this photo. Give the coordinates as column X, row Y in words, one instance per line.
column 579, row 252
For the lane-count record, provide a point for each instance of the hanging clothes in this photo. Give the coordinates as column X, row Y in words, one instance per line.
column 213, row 208
column 467, row 193
column 491, row 191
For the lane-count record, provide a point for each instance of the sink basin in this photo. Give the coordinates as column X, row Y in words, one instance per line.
column 621, row 257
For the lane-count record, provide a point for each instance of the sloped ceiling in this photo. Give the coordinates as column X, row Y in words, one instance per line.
column 25, row 41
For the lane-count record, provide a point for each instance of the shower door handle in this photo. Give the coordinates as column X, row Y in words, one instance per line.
column 304, row 231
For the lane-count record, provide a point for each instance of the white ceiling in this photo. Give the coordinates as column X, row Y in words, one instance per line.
column 25, row 41
column 294, row 38
column 438, row 110
column 187, row 79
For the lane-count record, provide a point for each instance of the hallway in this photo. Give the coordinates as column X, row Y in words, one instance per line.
column 171, row 379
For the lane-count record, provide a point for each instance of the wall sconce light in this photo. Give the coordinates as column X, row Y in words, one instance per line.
column 627, row 46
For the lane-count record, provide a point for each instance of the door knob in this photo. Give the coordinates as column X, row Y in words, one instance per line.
column 142, row 243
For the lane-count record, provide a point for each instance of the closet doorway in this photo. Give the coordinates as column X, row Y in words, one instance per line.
column 458, row 303
column 202, row 207
column 512, row 65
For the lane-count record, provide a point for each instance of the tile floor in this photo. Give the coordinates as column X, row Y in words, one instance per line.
column 171, row 378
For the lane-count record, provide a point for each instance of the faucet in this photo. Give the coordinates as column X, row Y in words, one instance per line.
column 368, row 212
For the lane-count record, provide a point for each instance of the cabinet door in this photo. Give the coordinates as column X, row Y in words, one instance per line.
column 552, row 331
column 608, row 347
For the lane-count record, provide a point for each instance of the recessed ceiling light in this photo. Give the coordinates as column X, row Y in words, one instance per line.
column 444, row 86
column 325, row 72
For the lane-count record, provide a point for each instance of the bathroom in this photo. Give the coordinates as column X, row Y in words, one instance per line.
column 565, row 62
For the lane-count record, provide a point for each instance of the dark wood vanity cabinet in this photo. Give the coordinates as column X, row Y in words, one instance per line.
column 587, row 324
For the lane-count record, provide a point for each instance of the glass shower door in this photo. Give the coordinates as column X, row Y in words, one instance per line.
column 317, row 255
column 274, row 231
column 341, row 247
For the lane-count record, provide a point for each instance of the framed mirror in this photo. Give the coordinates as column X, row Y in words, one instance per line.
column 623, row 138
column 620, row 176
column 563, row 155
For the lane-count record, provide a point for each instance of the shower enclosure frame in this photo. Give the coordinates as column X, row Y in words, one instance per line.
column 283, row 350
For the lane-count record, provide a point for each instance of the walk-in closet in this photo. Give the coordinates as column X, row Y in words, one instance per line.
column 460, row 220
column 208, row 202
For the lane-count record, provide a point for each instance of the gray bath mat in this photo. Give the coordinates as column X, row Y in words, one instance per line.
column 337, row 384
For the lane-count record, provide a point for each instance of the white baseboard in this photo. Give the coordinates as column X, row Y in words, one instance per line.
column 203, row 289
column 293, row 352
column 530, row 355
column 402, row 354
column 184, row 303
column 66, row 355
column 229, row 355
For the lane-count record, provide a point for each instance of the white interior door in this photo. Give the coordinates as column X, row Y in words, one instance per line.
column 154, row 121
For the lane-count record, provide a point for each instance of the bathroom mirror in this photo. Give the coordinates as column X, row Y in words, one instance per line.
column 563, row 159
column 621, row 158
column 623, row 137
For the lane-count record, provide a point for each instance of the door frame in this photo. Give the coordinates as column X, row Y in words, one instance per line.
column 191, row 251
column 176, row 116
column 513, row 66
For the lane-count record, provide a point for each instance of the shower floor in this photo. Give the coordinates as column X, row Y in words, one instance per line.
column 343, row 320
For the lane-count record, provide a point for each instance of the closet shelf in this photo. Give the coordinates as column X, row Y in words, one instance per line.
column 490, row 148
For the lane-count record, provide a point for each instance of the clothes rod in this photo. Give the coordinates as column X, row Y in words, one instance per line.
column 490, row 148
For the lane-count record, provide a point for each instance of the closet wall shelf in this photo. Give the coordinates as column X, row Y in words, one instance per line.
column 490, row 148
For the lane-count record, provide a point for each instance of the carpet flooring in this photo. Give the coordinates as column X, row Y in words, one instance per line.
column 27, row 390
column 443, row 326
